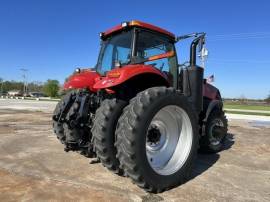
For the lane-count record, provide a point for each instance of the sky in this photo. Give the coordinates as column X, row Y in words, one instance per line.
column 51, row 38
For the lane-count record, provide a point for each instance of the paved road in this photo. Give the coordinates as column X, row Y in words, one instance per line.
column 32, row 105
column 248, row 117
column 48, row 106
column 34, row 167
column 248, row 110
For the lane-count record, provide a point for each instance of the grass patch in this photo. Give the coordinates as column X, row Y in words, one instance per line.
column 248, row 113
column 247, row 107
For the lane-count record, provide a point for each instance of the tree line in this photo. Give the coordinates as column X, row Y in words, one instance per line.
column 268, row 99
column 50, row 87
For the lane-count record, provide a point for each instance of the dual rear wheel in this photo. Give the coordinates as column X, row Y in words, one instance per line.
column 155, row 138
column 152, row 139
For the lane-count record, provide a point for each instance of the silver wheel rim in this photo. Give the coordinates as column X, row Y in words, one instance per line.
column 169, row 140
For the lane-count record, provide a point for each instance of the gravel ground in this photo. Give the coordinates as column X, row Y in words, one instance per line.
column 34, row 167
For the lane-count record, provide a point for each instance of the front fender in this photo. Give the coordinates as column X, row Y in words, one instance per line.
column 120, row 75
column 213, row 105
column 84, row 79
column 210, row 91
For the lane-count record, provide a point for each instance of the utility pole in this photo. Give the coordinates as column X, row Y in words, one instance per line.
column 24, row 75
column 2, row 83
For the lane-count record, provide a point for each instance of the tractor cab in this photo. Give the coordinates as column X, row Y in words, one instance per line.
column 137, row 43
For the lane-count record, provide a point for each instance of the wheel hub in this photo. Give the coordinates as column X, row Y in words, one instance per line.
column 217, row 131
column 168, row 140
column 153, row 135
column 156, row 136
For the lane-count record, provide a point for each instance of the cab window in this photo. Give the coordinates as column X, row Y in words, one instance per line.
column 149, row 45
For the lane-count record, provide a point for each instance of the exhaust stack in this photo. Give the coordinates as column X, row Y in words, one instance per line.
column 193, row 77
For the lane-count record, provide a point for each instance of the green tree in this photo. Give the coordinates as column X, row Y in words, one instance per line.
column 51, row 88
column 268, row 99
column 12, row 85
column 242, row 99
column 35, row 86
column 1, row 85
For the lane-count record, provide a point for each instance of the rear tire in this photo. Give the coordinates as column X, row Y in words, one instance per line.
column 215, row 132
column 103, row 132
column 153, row 163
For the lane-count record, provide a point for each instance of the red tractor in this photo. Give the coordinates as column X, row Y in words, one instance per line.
column 138, row 111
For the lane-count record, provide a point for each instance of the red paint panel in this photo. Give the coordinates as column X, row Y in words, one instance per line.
column 152, row 27
column 140, row 24
column 114, row 29
column 125, row 73
column 85, row 79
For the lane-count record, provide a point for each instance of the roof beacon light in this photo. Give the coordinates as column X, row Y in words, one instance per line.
column 124, row 24
column 77, row 70
column 101, row 34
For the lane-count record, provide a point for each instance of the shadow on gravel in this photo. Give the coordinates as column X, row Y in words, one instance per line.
column 206, row 160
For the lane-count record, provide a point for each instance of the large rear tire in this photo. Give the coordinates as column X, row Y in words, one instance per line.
column 157, row 139
column 103, row 132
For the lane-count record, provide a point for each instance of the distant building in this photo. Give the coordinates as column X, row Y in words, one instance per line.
column 36, row 94
column 15, row 93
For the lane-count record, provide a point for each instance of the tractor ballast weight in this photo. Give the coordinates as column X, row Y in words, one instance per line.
column 137, row 113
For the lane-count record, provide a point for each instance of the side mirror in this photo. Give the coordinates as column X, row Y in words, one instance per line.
column 204, row 53
column 203, row 56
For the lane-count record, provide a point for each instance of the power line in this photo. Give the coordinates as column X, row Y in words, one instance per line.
column 242, row 34
column 239, row 36
column 235, row 63
column 241, row 61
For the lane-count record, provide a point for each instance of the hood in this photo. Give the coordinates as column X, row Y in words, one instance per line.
column 84, row 79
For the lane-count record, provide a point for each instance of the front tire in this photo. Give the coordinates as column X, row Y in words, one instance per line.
column 215, row 132
column 157, row 139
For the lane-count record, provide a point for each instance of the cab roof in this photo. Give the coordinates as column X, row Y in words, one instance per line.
column 135, row 23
